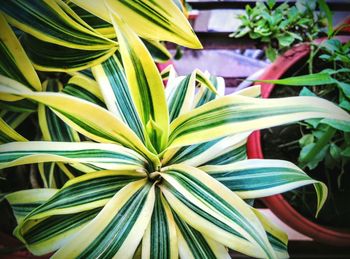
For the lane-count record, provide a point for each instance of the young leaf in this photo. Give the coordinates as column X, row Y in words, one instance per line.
column 144, row 81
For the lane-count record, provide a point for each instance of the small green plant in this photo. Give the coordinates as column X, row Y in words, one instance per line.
column 148, row 172
column 332, row 144
column 322, row 145
column 281, row 26
column 329, row 144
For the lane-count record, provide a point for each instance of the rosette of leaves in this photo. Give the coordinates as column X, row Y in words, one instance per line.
column 281, row 26
column 165, row 174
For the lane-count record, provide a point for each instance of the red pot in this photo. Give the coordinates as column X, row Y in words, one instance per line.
column 278, row 205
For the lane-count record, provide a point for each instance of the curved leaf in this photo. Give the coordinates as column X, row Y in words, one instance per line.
column 14, row 62
column 49, row 234
column 211, row 152
column 233, row 114
column 155, row 20
column 278, row 239
column 84, row 88
column 100, row 156
column 206, row 94
column 8, row 134
column 160, row 240
column 144, row 82
column 255, row 178
column 52, row 224
column 48, row 21
column 192, row 244
column 101, row 26
column 158, row 50
column 51, row 126
column 180, row 100
column 47, row 56
column 111, row 77
column 118, row 228
column 214, row 210
column 103, row 126
column 23, row 202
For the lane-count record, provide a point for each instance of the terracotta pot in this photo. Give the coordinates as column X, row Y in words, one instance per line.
column 277, row 203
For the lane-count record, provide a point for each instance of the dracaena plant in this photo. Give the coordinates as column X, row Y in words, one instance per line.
column 78, row 34
column 163, row 172
column 70, row 36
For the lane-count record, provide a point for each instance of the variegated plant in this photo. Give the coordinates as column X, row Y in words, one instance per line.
column 164, row 173
column 70, row 35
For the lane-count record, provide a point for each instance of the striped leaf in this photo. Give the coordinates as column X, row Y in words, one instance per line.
column 158, row 50
column 101, row 26
column 168, row 74
column 64, row 37
column 14, row 119
column 211, row 208
column 230, row 155
column 154, row 20
column 49, row 234
column 8, row 134
column 9, row 121
column 52, row 224
column 86, row 73
column 111, row 77
column 84, row 88
column 85, row 192
column 14, row 62
column 217, row 151
column 85, row 117
column 206, row 94
column 278, row 239
column 118, row 228
column 100, row 156
column 20, row 106
column 181, row 98
column 252, row 91
column 51, row 126
column 180, row 92
column 192, row 244
column 54, row 129
column 255, row 178
column 52, row 21
column 160, row 240
column 204, row 79
column 15, row 103
column 55, row 175
column 236, row 113
column 48, row 56
column 23, row 202
column 144, row 82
